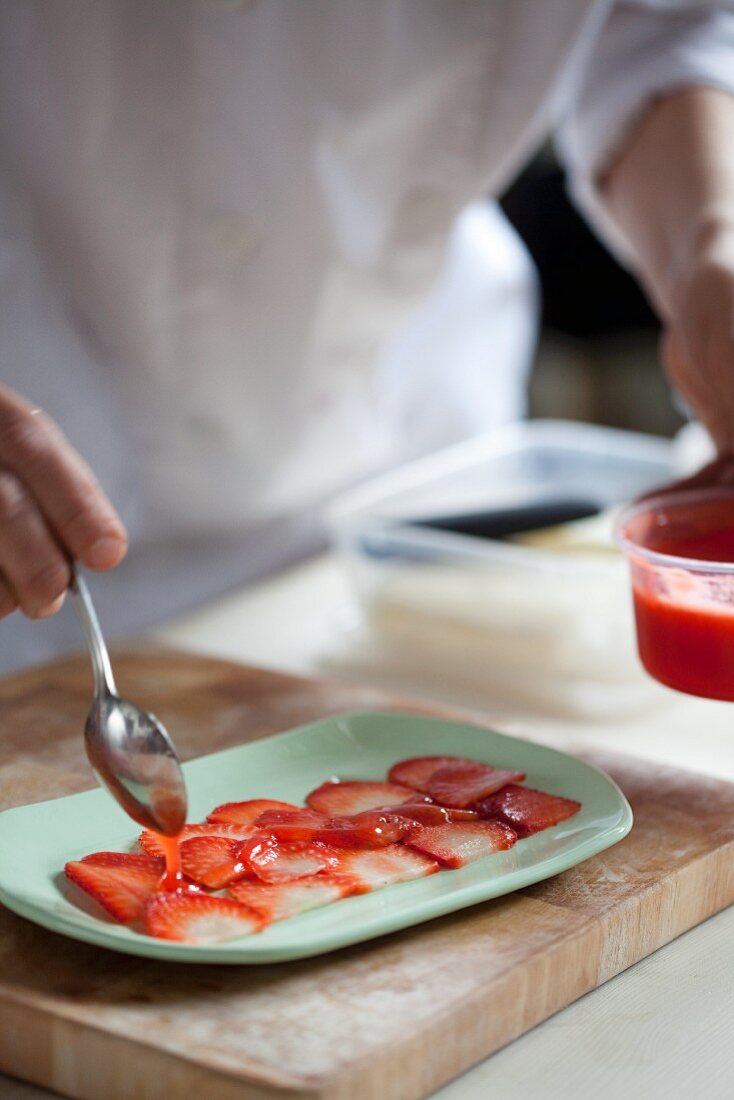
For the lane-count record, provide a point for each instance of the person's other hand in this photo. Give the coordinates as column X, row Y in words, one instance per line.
column 51, row 509
column 698, row 341
column 716, row 474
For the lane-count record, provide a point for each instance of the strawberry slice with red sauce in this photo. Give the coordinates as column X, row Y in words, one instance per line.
column 274, row 902
column 151, row 844
column 458, row 844
column 371, row 829
column 275, row 861
column 371, row 870
column 344, row 799
column 213, row 861
column 526, row 810
column 430, row 813
column 288, row 825
column 199, row 918
column 121, row 882
column 246, row 813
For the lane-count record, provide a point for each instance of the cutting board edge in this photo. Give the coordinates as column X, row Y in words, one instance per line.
column 698, row 891
column 35, row 1047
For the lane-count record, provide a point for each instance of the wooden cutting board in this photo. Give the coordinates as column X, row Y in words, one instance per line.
column 388, row 1020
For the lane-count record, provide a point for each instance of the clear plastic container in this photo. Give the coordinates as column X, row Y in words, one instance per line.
column 681, row 553
column 546, row 619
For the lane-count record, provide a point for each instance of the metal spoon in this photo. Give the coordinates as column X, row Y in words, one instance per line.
column 130, row 750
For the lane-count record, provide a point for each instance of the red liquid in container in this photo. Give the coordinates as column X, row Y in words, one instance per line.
column 688, row 646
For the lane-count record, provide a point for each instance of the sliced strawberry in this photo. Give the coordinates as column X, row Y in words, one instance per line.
column 276, row 861
column 298, row 824
column 199, row 918
column 430, row 813
column 353, row 797
column 150, row 842
column 371, row 829
column 416, row 771
column 122, row 882
column 246, row 813
column 452, row 780
column 461, row 785
column 526, row 810
column 457, row 844
column 213, row 861
column 287, row 899
column 366, row 871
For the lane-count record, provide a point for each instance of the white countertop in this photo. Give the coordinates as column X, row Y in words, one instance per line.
column 661, row 1029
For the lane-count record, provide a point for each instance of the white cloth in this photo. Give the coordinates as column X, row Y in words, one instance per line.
column 224, row 265
column 645, row 50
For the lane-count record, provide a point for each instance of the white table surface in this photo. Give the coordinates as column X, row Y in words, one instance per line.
column 664, row 1028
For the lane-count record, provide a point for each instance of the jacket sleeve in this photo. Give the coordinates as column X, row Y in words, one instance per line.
column 643, row 50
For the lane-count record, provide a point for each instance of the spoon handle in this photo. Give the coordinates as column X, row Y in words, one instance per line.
column 104, row 681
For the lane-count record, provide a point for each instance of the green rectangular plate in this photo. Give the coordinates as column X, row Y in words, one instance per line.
column 36, row 841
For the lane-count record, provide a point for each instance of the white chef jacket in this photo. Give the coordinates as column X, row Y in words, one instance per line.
column 243, row 257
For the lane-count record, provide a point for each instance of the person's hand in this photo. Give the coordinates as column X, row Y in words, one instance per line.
column 698, row 341
column 51, row 509
column 716, row 474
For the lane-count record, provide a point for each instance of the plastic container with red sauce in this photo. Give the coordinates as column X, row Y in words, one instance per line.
column 681, row 552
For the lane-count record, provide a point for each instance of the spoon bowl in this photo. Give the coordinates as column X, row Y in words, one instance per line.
column 129, row 749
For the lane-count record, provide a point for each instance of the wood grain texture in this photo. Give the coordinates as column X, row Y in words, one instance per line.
column 391, row 1019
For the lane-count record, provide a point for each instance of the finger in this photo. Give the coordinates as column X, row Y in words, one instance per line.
column 716, row 474
column 699, row 348
column 31, row 562
column 693, row 370
column 33, row 447
column 8, row 601
column 720, row 372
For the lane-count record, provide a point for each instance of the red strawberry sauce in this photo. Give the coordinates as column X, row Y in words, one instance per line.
column 173, row 878
column 689, row 646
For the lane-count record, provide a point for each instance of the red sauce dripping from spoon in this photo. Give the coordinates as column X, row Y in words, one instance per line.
column 173, row 877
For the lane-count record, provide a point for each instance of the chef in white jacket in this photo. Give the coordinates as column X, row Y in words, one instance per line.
column 244, row 261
